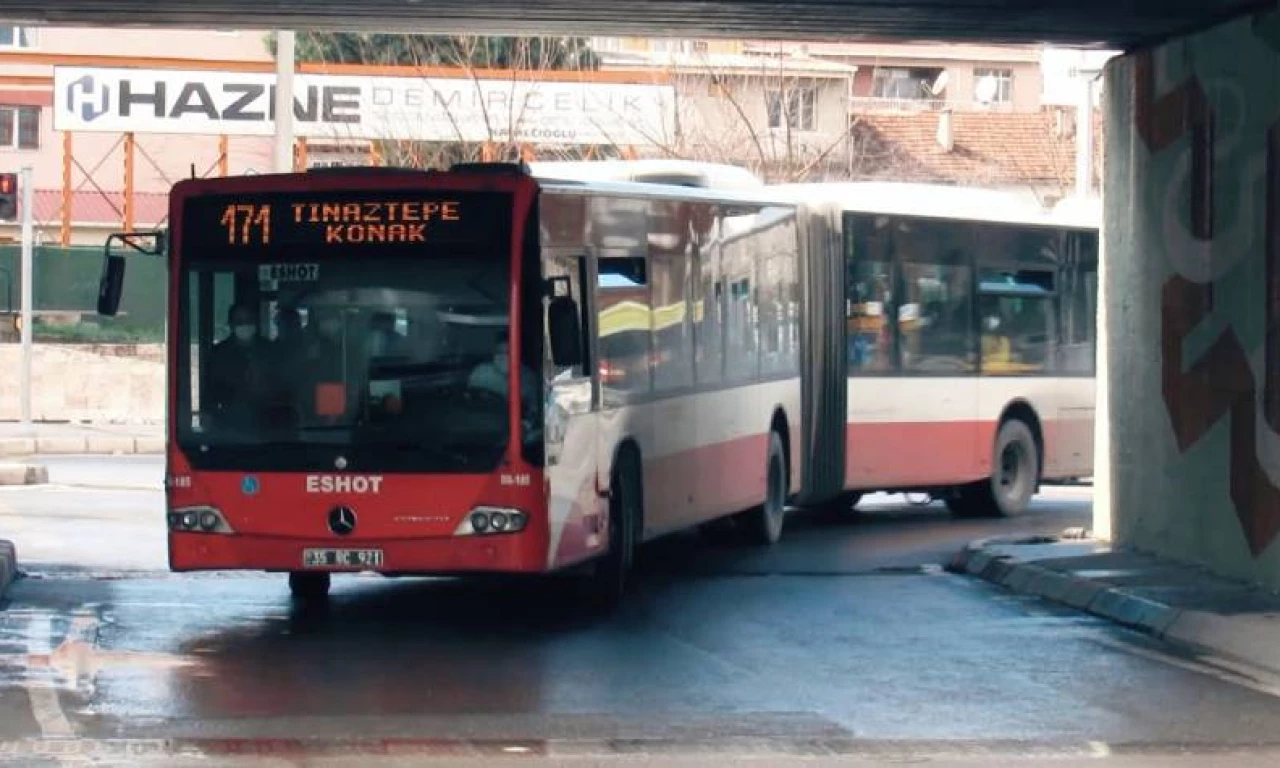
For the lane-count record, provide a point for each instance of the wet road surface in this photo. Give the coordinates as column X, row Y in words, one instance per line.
column 846, row 642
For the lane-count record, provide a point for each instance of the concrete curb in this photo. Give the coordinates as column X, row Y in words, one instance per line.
column 8, row 566
column 23, row 474
column 1250, row 639
column 98, row 445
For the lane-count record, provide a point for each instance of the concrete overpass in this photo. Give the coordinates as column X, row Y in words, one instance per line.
column 1115, row 23
column 1189, row 460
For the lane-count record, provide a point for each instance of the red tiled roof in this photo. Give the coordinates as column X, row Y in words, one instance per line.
column 1036, row 148
column 93, row 207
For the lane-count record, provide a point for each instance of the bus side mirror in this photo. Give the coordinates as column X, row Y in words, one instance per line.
column 111, row 286
column 565, row 331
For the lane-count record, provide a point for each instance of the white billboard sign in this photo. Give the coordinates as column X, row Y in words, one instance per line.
column 119, row 100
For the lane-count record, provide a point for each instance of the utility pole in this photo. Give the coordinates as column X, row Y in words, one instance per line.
column 28, row 291
column 1084, row 131
column 284, row 101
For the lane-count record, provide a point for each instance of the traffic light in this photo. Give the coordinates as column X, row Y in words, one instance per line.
column 8, row 196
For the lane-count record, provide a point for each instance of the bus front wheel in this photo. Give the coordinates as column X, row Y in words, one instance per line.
column 608, row 580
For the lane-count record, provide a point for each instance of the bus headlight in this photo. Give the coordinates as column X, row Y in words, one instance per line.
column 487, row 521
column 198, row 520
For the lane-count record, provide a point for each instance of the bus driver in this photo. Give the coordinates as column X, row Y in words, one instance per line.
column 491, row 376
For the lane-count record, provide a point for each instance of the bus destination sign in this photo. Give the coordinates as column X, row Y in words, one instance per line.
column 234, row 224
column 342, row 222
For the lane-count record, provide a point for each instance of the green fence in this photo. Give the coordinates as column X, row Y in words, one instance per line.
column 66, row 295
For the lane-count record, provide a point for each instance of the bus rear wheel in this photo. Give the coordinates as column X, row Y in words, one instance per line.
column 1015, row 473
column 766, row 520
column 309, row 586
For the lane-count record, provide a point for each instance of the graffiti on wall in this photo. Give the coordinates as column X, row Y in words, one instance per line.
column 1219, row 383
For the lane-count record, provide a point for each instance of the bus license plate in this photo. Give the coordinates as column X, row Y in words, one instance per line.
column 342, row 558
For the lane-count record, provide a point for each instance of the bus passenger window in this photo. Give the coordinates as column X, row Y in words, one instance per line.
column 1016, row 335
column 870, row 317
column 871, row 311
column 937, row 337
column 672, row 329
column 1078, row 304
column 709, row 318
column 623, row 322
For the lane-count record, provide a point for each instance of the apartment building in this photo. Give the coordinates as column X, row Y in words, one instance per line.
column 898, row 76
column 1000, row 116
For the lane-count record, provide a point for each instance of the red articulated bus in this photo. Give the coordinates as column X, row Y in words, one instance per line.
column 487, row 370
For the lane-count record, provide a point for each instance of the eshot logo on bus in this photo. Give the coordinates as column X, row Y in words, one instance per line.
column 250, row 485
column 358, row 484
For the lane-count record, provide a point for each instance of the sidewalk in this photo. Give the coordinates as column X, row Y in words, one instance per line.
column 48, row 438
column 1181, row 604
column 18, row 444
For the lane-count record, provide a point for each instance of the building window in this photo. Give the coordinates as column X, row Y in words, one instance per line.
column 716, row 87
column 670, row 45
column 19, row 127
column 993, row 86
column 905, row 84
column 17, row 37
column 606, row 44
column 792, row 108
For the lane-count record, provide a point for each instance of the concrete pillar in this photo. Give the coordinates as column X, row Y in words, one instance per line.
column 1103, row 512
column 1192, row 298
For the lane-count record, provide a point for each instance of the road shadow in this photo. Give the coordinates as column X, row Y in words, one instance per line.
column 423, row 647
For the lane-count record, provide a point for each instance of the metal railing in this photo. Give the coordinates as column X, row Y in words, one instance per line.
column 891, row 104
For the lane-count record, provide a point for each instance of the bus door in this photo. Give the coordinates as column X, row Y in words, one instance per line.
column 623, row 321
column 574, row 505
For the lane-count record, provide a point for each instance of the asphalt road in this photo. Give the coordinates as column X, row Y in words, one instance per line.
column 845, row 644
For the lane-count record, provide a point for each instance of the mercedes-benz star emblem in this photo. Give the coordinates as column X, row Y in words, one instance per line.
column 342, row 520
column 340, row 462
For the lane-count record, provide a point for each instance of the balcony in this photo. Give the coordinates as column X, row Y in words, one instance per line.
column 895, row 104
column 899, row 104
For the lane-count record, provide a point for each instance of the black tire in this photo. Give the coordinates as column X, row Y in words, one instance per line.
column 309, row 586
column 610, row 576
column 767, row 519
column 1015, row 477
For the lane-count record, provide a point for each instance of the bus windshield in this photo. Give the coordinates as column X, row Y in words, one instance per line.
column 366, row 356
